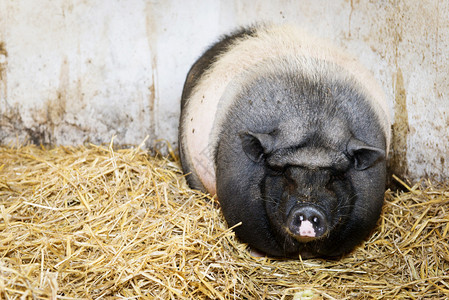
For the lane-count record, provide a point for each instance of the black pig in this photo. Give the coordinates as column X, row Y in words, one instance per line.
column 291, row 134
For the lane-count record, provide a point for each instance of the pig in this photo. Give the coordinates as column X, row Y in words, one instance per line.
column 291, row 134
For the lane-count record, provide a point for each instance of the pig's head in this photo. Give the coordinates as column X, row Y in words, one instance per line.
column 311, row 194
column 301, row 164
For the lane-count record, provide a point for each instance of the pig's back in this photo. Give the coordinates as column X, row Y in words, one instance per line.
column 208, row 94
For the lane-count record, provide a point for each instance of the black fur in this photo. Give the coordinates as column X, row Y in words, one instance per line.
column 291, row 138
column 250, row 191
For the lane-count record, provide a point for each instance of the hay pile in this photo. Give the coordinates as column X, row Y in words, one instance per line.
column 94, row 222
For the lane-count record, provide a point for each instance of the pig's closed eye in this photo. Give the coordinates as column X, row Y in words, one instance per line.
column 336, row 176
column 276, row 170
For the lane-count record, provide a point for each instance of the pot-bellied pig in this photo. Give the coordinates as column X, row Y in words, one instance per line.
column 291, row 134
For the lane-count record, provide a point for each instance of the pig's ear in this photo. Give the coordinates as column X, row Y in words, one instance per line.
column 255, row 145
column 364, row 155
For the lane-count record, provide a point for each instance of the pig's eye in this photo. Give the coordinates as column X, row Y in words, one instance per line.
column 337, row 176
column 275, row 170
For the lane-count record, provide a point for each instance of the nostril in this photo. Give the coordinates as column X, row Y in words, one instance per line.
column 316, row 220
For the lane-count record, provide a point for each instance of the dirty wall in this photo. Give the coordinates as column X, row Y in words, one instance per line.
column 76, row 71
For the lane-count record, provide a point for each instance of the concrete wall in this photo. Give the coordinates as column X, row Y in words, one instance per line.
column 73, row 71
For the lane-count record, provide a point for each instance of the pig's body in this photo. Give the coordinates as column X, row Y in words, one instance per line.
column 287, row 130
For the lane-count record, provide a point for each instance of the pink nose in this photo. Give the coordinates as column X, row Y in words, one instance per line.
column 306, row 229
column 306, row 222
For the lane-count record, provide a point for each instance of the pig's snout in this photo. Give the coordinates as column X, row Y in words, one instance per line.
column 307, row 223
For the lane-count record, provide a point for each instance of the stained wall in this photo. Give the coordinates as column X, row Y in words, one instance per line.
column 77, row 71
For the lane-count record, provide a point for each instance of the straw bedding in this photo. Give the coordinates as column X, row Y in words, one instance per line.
column 97, row 222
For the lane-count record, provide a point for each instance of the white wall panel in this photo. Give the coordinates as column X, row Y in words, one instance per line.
column 73, row 71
